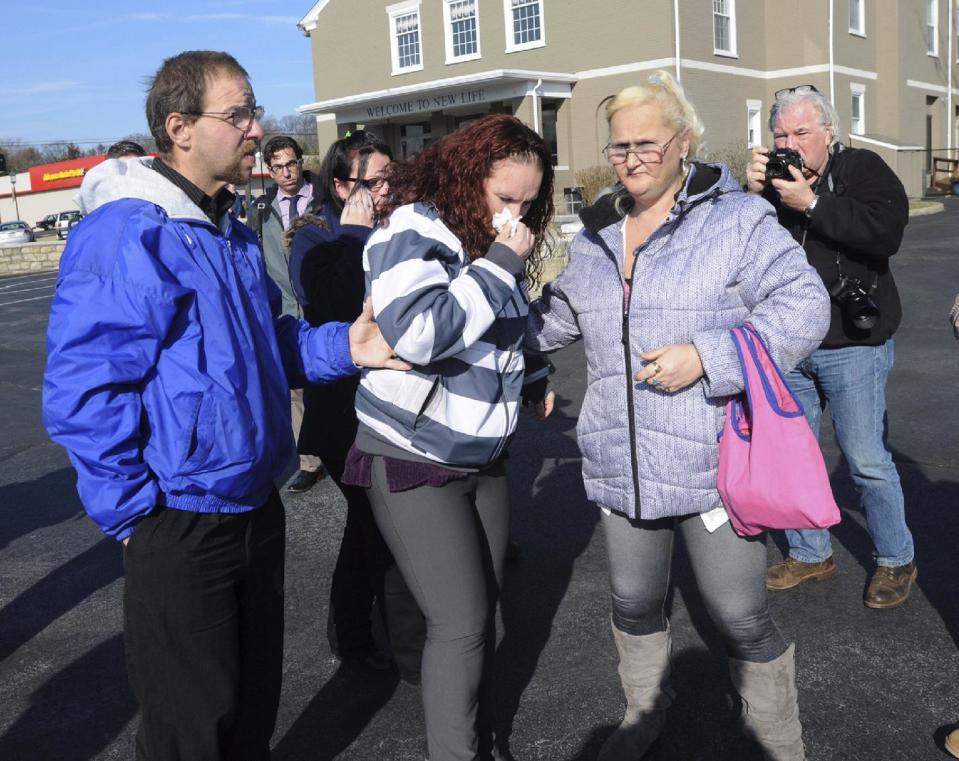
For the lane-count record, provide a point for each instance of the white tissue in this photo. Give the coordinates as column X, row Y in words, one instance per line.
column 504, row 217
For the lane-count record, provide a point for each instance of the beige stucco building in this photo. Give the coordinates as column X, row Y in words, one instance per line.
column 416, row 69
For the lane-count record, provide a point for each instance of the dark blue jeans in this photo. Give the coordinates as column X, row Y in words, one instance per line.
column 851, row 382
column 730, row 572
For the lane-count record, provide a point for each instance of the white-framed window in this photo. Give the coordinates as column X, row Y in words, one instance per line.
column 754, row 123
column 461, row 21
column 857, row 111
column 857, row 17
column 724, row 27
column 932, row 27
column 405, row 38
column 524, row 24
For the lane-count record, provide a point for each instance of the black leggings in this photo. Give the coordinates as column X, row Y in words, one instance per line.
column 449, row 542
column 730, row 572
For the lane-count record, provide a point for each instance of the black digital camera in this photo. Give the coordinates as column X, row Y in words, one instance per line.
column 855, row 302
column 780, row 159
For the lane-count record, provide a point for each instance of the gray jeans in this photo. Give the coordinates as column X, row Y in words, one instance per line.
column 449, row 543
column 730, row 572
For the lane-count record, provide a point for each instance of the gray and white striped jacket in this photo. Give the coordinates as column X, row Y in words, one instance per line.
column 719, row 260
column 460, row 324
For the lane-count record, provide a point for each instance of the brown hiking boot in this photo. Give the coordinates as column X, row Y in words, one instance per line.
column 791, row 573
column 890, row 587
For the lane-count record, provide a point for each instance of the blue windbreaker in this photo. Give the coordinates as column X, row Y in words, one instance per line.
column 168, row 368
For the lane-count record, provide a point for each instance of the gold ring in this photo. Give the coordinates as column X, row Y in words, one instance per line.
column 657, row 367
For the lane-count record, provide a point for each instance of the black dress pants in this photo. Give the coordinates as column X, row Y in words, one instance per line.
column 203, row 614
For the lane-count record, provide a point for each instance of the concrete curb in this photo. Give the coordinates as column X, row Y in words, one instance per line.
column 933, row 207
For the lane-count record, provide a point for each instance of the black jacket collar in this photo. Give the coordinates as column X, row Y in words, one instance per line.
column 613, row 206
column 214, row 207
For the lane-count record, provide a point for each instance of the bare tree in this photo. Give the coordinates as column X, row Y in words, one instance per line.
column 142, row 138
column 20, row 155
column 300, row 127
column 63, row 151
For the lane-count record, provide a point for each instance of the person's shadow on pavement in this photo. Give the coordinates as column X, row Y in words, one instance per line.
column 337, row 714
column 31, row 505
column 78, row 712
column 553, row 523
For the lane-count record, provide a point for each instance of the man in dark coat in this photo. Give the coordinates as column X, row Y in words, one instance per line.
column 848, row 210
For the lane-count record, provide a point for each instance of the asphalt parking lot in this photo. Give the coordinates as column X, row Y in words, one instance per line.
column 876, row 685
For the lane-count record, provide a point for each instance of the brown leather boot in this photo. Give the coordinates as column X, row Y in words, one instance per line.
column 890, row 586
column 791, row 573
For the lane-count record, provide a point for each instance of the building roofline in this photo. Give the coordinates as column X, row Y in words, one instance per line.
column 885, row 142
column 308, row 23
column 469, row 79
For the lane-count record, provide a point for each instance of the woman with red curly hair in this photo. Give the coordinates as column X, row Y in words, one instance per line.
column 450, row 296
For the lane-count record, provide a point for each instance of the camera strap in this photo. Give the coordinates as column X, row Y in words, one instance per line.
column 875, row 280
column 827, row 176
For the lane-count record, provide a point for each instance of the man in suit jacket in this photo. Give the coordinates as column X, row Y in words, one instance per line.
column 291, row 197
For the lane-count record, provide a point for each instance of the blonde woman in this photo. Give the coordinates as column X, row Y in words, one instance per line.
column 661, row 272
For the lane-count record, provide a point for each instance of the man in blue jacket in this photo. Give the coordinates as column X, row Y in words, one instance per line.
column 168, row 376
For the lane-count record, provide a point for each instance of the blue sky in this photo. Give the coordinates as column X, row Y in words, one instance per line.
column 76, row 70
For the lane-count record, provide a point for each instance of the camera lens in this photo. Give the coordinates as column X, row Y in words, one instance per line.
column 863, row 312
column 855, row 303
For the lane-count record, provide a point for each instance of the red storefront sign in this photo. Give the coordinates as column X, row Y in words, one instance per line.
column 62, row 174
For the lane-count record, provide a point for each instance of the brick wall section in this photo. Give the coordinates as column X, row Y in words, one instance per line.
column 43, row 256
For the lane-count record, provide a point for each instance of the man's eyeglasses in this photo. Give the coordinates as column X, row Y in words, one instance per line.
column 372, row 184
column 799, row 89
column 242, row 118
column 647, row 153
column 289, row 165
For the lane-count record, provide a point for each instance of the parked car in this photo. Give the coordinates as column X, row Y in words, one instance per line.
column 47, row 223
column 15, row 233
column 66, row 220
column 63, row 232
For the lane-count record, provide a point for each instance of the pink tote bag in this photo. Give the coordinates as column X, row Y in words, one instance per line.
column 771, row 471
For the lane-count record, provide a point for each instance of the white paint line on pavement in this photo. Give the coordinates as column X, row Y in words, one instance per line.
column 21, row 301
column 25, row 290
column 51, row 275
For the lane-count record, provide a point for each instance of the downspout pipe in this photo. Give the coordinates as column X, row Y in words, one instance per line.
column 537, row 127
column 950, row 116
column 832, row 70
column 679, row 76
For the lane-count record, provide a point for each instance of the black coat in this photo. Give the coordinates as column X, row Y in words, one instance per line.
column 326, row 270
column 861, row 215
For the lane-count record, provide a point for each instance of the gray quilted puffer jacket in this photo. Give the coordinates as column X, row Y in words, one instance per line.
column 719, row 260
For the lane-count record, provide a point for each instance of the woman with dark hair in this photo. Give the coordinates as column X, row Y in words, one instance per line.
column 326, row 270
column 450, row 296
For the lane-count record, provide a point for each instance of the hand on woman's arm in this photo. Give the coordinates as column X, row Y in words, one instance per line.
column 368, row 348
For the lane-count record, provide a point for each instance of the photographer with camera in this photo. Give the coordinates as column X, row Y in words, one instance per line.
column 848, row 210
